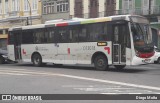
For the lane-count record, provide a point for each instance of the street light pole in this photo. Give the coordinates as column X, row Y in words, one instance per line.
column 30, row 12
column 149, row 7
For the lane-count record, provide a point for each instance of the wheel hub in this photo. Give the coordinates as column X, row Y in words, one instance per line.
column 100, row 62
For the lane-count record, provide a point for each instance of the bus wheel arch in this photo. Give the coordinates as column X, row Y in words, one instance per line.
column 100, row 61
column 36, row 59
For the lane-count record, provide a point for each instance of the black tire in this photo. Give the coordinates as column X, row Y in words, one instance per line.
column 37, row 60
column 155, row 62
column 101, row 62
column 2, row 60
column 119, row 67
column 57, row 65
column 158, row 61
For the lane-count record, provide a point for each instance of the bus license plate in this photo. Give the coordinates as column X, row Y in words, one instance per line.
column 146, row 60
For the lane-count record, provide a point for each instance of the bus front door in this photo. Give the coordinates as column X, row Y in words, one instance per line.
column 119, row 43
column 17, row 45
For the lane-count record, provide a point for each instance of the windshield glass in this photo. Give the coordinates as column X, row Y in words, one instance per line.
column 157, row 50
column 142, row 35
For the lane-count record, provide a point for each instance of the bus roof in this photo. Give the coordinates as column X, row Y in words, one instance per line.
column 27, row 27
column 74, row 21
column 77, row 21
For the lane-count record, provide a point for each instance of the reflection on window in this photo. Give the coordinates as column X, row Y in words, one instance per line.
column 73, row 35
column 97, row 32
column 39, row 36
column 141, row 33
column 62, row 35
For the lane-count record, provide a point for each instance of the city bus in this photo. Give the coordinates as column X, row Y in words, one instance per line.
column 116, row 40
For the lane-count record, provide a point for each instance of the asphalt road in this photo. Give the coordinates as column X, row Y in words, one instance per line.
column 27, row 79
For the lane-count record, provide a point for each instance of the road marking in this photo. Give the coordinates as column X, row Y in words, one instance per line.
column 26, row 72
column 87, row 79
column 111, row 82
column 11, row 73
column 12, row 69
column 140, row 67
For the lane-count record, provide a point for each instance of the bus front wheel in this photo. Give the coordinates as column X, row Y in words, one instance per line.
column 158, row 61
column 101, row 63
column 37, row 60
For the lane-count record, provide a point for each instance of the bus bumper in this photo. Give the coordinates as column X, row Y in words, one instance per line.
column 139, row 61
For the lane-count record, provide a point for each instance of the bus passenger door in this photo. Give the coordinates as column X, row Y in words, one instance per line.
column 17, row 45
column 119, row 38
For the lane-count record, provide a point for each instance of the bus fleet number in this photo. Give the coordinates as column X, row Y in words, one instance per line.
column 88, row 47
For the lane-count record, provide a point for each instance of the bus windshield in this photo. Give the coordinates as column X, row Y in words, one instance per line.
column 141, row 32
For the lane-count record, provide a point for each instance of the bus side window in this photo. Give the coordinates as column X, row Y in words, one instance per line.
column 11, row 38
column 51, row 35
column 82, row 34
column 27, row 37
column 62, row 34
column 73, row 34
column 128, row 40
column 39, row 36
column 97, row 32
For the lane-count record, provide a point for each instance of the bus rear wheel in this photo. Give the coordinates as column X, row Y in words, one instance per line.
column 158, row 61
column 119, row 67
column 1, row 60
column 101, row 63
column 37, row 60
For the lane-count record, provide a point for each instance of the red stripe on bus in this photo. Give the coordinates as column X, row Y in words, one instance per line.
column 69, row 51
column 62, row 24
column 23, row 51
column 108, row 49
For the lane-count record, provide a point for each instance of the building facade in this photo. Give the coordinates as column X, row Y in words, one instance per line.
column 66, row 9
column 147, row 8
column 18, row 13
column 139, row 7
column 55, row 9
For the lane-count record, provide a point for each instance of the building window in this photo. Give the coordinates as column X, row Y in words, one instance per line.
column 15, row 5
column 34, row 4
column 128, row 4
column 0, row 6
column 62, row 6
column 26, row 5
column 44, row 8
column 6, row 6
column 48, row 7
